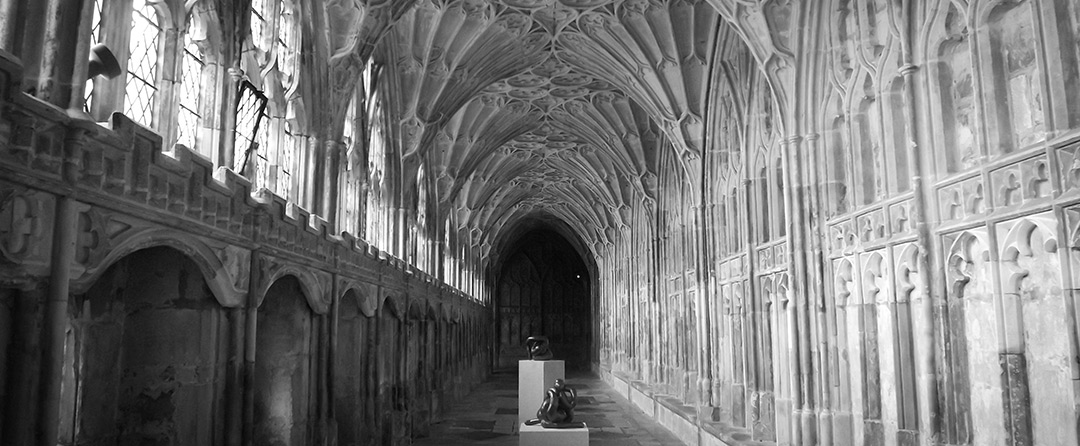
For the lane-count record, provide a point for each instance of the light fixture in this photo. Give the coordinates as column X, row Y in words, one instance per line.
column 102, row 62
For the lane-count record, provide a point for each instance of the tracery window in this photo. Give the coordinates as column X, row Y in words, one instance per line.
column 377, row 224
column 1015, row 77
column 260, row 24
column 191, row 88
column 421, row 238
column 286, row 44
column 349, row 218
column 250, row 116
column 450, row 260
column 142, row 67
column 260, row 154
column 279, row 149
column 283, row 164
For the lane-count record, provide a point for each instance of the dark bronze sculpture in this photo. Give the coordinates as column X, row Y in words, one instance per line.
column 557, row 410
column 539, row 348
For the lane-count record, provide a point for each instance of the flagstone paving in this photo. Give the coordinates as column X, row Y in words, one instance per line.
column 488, row 416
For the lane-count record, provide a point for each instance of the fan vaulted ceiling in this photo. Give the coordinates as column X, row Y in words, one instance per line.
column 554, row 107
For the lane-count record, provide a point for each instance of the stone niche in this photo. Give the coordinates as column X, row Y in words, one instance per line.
column 284, row 345
column 145, row 356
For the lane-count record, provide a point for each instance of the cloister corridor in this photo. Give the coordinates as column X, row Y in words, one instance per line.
column 488, row 416
column 738, row 222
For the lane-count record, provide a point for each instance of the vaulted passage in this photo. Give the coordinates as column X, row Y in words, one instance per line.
column 325, row 222
column 543, row 289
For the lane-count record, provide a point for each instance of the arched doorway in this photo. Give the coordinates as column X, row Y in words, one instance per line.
column 543, row 289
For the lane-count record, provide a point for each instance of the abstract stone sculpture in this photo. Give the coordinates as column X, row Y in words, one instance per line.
column 539, row 348
column 557, row 410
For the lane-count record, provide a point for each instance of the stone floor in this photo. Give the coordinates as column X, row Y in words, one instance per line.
column 488, row 416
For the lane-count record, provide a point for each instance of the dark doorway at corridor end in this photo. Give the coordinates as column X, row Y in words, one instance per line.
column 543, row 290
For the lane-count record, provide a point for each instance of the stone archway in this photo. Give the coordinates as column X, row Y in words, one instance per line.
column 543, row 289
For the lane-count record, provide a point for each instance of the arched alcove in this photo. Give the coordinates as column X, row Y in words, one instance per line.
column 354, row 395
column 283, row 348
column 145, row 356
column 543, row 289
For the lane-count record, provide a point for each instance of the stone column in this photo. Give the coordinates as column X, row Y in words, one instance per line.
column 332, row 184
column 234, row 375
column 376, row 381
column 824, row 317
column 10, row 22
column 166, row 109
column 323, row 375
column 56, row 318
column 397, row 233
column 922, row 306
column 332, row 346
column 76, row 101
column 250, row 328
column 308, row 194
column 804, row 328
column 227, row 156
column 704, row 381
column 56, row 306
column 51, row 67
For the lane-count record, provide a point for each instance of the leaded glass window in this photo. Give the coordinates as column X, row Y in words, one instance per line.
column 350, row 195
column 95, row 24
column 250, row 117
column 261, row 154
column 285, row 164
column 260, row 23
column 142, row 69
column 377, row 224
column 421, row 236
column 95, row 38
column 190, row 88
column 286, row 44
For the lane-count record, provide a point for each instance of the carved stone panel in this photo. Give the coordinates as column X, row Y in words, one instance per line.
column 1036, row 321
column 974, row 342
column 26, row 228
column 961, row 200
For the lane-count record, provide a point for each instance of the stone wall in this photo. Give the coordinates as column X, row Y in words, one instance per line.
column 876, row 245
column 145, row 298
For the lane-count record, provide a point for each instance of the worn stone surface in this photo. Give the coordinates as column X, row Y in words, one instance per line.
column 144, row 364
column 801, row 222
column 488, row 415
column 284, row 405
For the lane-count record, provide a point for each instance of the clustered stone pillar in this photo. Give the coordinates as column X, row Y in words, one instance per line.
column 331, row 180
column 56, row 306
column 228, row 154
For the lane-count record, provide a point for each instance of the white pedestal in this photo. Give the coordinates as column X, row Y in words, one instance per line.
column 534, row 378
column 538, row 436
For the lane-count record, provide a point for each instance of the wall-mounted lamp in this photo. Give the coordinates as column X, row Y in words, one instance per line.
column 102, row 62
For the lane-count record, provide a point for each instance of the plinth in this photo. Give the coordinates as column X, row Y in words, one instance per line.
column 539, row 436
column 534, row 378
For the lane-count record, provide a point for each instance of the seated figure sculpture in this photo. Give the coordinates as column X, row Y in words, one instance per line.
column 539, row 348
column 557, row 410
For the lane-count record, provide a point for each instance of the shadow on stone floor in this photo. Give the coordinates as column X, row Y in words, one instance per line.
column 488, row 416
